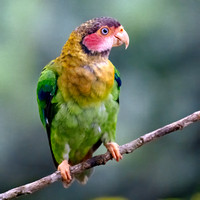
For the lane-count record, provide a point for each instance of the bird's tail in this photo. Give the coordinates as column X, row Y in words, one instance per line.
column 81, row 178
column 84, row 176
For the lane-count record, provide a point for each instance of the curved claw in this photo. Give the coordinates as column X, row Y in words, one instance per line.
column 64, row 169
column 113, row 148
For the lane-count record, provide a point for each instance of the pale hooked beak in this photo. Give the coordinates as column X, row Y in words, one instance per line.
column 121, row 37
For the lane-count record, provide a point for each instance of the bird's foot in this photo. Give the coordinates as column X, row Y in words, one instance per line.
column 64, row 169
column 113, row 148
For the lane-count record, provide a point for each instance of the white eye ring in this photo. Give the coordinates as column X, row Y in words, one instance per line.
column 104, row 31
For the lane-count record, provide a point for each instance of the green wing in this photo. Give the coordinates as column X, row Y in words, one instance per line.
column 46, row 90
column 112, row 108
column 117, row 85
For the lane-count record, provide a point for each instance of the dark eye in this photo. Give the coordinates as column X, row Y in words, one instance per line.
column 104, row 31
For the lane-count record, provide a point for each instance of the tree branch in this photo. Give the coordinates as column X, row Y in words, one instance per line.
column 101, row 159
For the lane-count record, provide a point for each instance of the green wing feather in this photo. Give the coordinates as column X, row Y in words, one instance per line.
column 46, row 90
column 117, row 85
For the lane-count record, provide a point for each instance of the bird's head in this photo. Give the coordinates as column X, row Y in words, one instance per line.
column 99, row 35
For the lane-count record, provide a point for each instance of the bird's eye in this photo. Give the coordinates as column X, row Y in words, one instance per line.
column 104, row 31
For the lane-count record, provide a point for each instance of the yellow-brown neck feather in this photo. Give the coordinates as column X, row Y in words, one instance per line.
column 85, row 78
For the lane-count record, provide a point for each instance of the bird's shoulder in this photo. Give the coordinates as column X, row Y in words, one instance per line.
column 47, row 88
column 117, row 85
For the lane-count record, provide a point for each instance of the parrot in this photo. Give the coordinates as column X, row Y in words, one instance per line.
column 78, row 96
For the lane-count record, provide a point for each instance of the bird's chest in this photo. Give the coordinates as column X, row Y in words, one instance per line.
column 76, row 129
column 87, row 84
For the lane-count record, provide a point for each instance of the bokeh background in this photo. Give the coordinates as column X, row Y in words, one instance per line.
column 160, row 73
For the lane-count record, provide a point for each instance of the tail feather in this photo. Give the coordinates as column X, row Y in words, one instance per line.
column 66, row 185
column 84, row 176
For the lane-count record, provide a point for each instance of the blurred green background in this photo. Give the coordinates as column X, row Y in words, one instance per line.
column 160, row 73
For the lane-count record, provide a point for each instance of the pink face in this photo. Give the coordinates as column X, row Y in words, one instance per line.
column 101, row 40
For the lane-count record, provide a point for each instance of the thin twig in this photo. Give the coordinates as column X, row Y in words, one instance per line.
column 101, row 159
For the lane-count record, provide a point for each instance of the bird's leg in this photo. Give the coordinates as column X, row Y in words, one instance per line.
column 64, row 169
column 113, row 148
